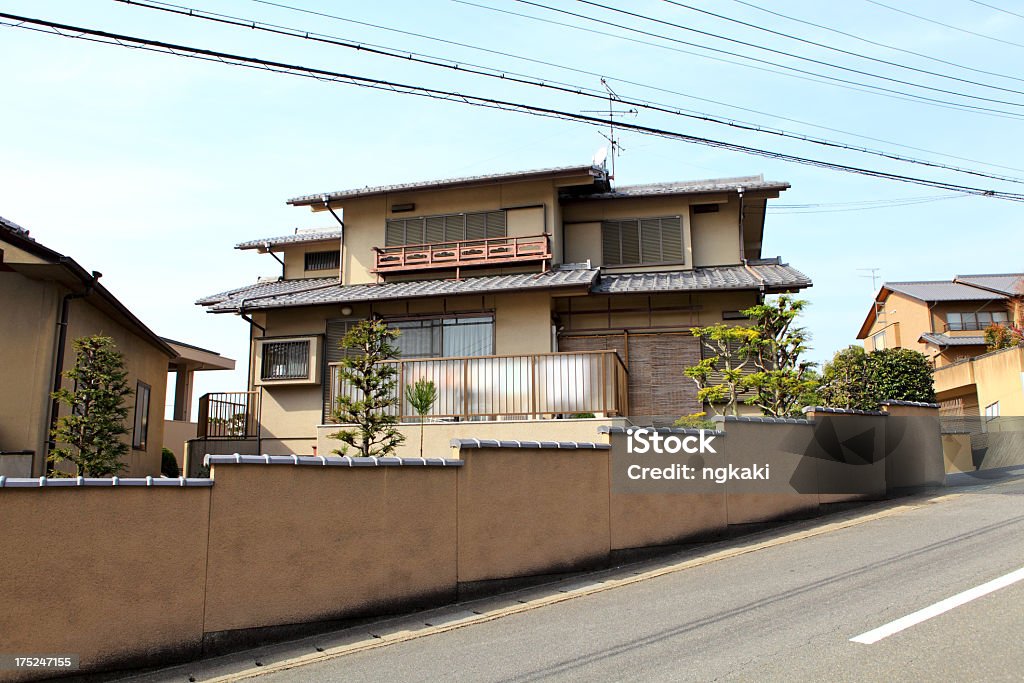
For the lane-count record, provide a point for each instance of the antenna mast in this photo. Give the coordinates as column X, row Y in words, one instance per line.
column 616, row 146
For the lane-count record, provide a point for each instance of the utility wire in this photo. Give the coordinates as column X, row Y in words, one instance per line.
column 787, row 209
column 939, row 23
column 875, row 43
column 998, row 9
column 784, row 53
column 647, row 86
column 793, row 72
column 528, row 80
column 109, row 38
column 840, row 50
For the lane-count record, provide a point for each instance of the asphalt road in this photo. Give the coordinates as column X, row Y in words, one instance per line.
column 787, row 611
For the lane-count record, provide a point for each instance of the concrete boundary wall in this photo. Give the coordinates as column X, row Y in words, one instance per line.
column 141, row 572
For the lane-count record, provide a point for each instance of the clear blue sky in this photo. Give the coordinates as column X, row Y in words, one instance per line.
column 150, row 167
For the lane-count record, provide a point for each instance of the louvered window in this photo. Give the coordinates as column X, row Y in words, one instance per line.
column 285, row 360
column 454, row 227
column 636, row 241
column 322, row 260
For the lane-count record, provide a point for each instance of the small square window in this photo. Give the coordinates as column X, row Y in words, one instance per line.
column 992, row 411
column 285, row 360
column 140, row 425
column 879, row 341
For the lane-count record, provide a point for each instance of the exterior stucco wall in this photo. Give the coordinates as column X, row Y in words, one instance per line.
column 531, row 511
column 143, row 362
column 333, row 542
column 115, row 575
column 27, row 362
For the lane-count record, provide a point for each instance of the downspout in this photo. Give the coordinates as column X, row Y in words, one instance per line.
column 251, row 378
column 58, row 365
column 341, row 246
column 266, row 245
column 743, row 251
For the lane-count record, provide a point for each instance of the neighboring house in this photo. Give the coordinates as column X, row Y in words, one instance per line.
column 48, row 301
column 190, row 359
column 530, row 295
column 944, row 319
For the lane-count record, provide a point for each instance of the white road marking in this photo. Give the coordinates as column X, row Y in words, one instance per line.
column 938, row 608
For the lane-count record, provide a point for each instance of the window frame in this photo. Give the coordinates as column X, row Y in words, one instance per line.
column 313, row 354
column 140, row 420
column 442, row 322
column 874, row 341
column 336, row 261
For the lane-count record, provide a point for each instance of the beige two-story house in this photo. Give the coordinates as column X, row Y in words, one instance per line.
column 541, row 296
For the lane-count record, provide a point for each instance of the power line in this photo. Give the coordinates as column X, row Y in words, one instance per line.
column 998, row 9
column 528, row 80
column 784, row 53
column 783, row 210
column 876, row 43
column 796, row 72
column 840, row 50
column 639, row 84
column 121, row 40
column 939, row 23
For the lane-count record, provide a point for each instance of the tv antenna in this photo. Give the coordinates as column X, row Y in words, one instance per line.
column 873, row 274
column 612, row 112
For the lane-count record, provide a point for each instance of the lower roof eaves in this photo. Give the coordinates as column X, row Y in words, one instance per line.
column 770, row 277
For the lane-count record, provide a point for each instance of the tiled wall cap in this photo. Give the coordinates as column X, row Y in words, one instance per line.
column 767, row 420
column 916, row 404
column 560, row 445
column 328, row 461
column 605, row 429
column 152, row 482
column 841, row 411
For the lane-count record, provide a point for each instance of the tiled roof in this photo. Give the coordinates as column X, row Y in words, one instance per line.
column 597, row 171
column 14, row 227
column 299, row 237
column 714, row 185
column 1011, row 284
column 281, row 287
column 319, row 291
column 772, row 276
column 948, row 340
column 941, row 290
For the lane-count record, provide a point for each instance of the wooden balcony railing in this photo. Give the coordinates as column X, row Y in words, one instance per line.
column 543, row 385
column 495, row 251
column 231, row 415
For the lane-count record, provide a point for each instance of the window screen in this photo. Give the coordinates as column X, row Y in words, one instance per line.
column 637, row 241
column 285, row 360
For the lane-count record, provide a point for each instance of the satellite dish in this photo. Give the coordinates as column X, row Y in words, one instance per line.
column 600, row 156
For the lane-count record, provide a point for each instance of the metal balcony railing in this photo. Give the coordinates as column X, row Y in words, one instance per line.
column 495, row 251
column 543, row 385
column 229, row 415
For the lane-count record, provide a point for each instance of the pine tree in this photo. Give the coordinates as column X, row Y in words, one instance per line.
column 368, row 391
column 92, row 431
column 421, row 395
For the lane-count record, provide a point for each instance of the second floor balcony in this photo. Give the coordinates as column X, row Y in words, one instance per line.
column 493, row 252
